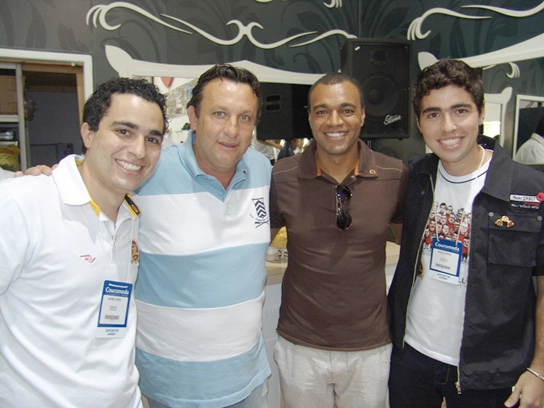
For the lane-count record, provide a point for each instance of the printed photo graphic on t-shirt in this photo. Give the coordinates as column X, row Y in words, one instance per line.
column 446, row 223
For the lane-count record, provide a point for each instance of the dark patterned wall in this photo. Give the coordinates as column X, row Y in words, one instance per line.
column 295, row 35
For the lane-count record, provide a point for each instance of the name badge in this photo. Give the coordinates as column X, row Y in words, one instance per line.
column 113, row 314
column 446, row 260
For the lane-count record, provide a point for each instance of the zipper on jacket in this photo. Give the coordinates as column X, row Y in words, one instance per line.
column 415, row 272
column 471, row 249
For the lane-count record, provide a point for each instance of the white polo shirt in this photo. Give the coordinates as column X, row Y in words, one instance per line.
column 57, row 250
column 5, row 174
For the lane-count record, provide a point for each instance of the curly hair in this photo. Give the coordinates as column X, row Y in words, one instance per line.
column 447, row 72
column 99, row 102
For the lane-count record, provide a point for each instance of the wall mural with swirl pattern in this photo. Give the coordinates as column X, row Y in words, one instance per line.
column 294, row 39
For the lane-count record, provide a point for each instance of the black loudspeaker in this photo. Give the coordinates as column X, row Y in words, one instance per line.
column 383, row 69
column 284, row 113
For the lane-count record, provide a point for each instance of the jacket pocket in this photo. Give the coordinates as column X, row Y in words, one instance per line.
column 513, row 239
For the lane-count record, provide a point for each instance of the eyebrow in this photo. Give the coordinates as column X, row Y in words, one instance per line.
column 221, row 107
column 342, row 105
column 248, row 113
column 133, row 126
column 453, row 107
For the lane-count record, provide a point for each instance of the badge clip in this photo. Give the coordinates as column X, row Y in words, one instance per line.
column 504, row 220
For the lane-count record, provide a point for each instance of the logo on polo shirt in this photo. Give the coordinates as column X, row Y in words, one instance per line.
column 260, row 210
column 88, row 258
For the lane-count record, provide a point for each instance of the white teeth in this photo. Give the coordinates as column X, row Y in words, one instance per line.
column 128, row 166
column 335, row 134
column 450, row 142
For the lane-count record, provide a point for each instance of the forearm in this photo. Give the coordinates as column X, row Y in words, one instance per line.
column 537, row 363
column 529, row 389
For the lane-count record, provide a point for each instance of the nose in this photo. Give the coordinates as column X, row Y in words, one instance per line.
column 334, row 118
column 137, row 147
column 448, row 124
column 231, row 126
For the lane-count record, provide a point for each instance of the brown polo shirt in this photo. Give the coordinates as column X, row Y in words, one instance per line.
column 334, row 287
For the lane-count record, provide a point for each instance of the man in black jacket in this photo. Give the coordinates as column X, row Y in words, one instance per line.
column 462, row 299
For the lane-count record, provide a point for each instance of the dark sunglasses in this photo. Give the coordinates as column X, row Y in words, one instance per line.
column 343, row 217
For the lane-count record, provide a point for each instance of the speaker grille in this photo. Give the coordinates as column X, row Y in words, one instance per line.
column 383, row 69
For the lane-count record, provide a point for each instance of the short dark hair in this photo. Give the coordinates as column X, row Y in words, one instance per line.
column 224, row 72
column 334, row 78
column 99, row 102
column 447, row 72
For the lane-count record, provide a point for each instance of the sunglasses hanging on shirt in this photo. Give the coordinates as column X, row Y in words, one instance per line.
column 343, row 217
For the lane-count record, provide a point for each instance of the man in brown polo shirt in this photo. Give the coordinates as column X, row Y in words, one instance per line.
column 337, row 200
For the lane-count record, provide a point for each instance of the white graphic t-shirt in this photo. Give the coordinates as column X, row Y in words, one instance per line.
column 436, row 310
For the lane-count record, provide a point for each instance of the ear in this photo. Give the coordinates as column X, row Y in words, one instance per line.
column 193, row 119
column 482, row 115
column 363, row 116
column 418, row 125
column 86, row 134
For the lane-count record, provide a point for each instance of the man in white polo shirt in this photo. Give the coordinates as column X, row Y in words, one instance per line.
column 69, row 250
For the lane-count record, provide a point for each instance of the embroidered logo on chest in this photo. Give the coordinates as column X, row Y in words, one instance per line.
column 88, row 258
column 261, row 217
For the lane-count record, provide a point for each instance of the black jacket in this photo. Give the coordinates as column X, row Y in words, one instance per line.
column 498, row 332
